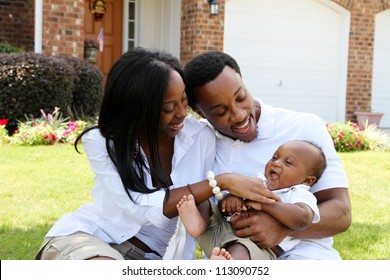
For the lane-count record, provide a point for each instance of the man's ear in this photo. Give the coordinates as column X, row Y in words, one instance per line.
column 199, row 112
column 310, row 180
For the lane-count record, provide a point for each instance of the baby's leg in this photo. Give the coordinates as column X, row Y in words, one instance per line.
column 238, row 251
column 220, row 254
column 194, row 220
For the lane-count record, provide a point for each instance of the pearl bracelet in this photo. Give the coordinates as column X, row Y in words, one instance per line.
column 213, row 184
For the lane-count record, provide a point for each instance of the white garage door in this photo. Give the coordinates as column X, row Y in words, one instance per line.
column 381, row 68
column 292, row 53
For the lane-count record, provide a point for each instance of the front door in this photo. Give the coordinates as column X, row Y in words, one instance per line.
column 111, row 22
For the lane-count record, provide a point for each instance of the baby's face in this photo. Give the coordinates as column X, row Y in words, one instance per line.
column 288, row 166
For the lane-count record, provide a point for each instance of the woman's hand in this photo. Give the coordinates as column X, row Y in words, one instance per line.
column 246, row 187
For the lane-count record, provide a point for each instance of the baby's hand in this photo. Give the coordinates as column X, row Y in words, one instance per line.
column 253, row 204
column 233, row 204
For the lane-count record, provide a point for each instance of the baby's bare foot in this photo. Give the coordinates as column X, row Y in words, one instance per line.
column 220, row 254
column 186, row 202
column 190, row 216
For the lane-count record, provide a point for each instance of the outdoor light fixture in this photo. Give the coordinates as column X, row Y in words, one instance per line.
column 214, row 7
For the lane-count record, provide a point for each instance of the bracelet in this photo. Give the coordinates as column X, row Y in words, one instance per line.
column 213, row 184
column 188, row 186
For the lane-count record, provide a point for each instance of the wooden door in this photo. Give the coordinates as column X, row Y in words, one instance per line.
column 111, row 22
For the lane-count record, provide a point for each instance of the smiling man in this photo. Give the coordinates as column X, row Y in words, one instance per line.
column 248, row 132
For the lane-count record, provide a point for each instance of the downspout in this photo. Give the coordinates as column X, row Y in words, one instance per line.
column 38, row 26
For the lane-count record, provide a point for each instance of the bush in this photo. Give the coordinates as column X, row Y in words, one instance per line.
column 347, row 137
column 30, row 82
column 8, row 48
column 88, row 89
column 350, row 137
column 376, row 139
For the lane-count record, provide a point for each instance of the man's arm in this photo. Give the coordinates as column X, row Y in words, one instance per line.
column 266, row 232
column 335, row 214
column 296, row 216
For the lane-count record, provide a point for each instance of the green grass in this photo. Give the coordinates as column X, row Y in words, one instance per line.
column 39, row 184
column 369, row 236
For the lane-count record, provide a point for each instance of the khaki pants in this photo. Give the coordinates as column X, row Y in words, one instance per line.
column 82, row 246
column 220, row 234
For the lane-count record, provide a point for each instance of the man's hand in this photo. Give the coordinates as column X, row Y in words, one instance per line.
column 260, row 227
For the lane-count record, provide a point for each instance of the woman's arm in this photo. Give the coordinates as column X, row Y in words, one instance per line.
column 243, row 186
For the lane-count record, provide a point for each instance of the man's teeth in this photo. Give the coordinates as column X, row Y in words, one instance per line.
column 244, row 125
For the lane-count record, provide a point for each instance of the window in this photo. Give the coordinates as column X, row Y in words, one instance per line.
column 131, row 24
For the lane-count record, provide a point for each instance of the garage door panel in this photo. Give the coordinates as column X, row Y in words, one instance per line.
column 381, row 68
column 288, row 48
column 312, row 106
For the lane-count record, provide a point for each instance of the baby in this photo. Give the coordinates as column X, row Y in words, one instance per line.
column 294, row 167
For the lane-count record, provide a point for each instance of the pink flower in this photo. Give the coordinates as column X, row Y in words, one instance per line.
column 72, row 126
column 3, row 122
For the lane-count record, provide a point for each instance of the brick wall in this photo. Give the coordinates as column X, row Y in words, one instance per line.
column 63, row 27
column 200, row 31
column 17, row 23
column 361, row 51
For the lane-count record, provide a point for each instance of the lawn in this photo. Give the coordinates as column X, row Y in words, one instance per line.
column 38, row 184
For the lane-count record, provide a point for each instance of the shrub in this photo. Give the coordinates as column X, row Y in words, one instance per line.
column 3, row 130
column 347, row 137
column 350, row 137
column 90, row 43
column 376, row 139
column 47, row 130
column 88, row 89
column 8, row 48
column 30, row 82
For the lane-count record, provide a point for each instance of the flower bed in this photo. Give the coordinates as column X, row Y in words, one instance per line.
column 47, row 130
column 349, row 137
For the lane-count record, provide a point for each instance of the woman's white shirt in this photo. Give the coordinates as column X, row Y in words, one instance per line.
column 114, row 218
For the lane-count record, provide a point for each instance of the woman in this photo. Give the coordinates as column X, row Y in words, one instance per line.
column 145, row 155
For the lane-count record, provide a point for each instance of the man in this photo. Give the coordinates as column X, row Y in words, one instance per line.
column 248, row 131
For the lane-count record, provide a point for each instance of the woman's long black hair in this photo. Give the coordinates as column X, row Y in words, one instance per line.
column 132, row 103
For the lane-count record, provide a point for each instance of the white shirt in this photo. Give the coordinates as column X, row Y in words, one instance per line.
column 275, row 127
column 114, row 218
column 297, row 194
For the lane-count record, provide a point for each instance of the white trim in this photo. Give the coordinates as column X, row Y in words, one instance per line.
column 125, row 28
column 343, row 55
column 38, row 26
column 380, row 88
column 125, row 24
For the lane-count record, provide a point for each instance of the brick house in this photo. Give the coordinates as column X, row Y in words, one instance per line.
column 330, row 57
